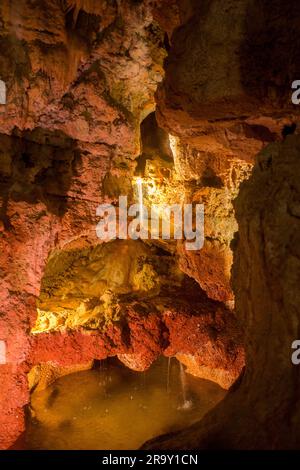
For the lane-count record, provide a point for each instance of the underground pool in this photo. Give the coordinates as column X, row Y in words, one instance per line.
column 113, row 407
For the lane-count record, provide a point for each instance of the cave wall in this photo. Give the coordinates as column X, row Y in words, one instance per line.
column 81, row 76
column 262, row 410
column 79, row 79
column 253, row 98
column 226, row 94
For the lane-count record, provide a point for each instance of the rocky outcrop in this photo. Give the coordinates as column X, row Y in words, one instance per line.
column 262, row 411
column 224, row 99
column 209, row 345
column 79, row 78
column 202, row 332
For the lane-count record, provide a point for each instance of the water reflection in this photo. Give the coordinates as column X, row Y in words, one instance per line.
column 112, row 407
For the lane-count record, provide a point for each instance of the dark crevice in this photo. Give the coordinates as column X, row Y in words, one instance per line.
column 42, row 165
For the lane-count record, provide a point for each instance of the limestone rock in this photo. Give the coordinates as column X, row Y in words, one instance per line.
column 266, row 273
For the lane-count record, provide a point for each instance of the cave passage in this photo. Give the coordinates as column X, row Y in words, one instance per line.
column 112, row 407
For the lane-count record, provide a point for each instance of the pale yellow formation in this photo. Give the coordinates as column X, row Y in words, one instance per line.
column 91, row 287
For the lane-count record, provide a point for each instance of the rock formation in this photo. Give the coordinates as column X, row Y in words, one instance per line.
column 251, row 101
column 79, row 82
column 262, row 411
column 83, row 79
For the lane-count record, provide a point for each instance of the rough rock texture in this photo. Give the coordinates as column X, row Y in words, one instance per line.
column 13, row 398
column 209, row 345
column 80, row 76
column 60, row 69
column 262, row 411
column 43, row 375
column 226, row 94
column 174, row 323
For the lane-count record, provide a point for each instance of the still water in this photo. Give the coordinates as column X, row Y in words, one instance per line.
column 112, row 407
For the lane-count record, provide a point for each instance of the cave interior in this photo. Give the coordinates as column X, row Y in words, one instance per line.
column 163, row 103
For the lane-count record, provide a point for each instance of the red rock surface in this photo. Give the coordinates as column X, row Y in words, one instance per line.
column 79, row 81
column 205, row 331
column 14, row 395
column 209, row 345
column 224, row 99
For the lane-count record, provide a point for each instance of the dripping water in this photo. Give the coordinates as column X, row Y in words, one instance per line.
column 112, row 409
column 186, row 403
